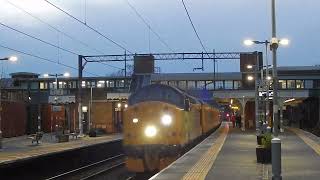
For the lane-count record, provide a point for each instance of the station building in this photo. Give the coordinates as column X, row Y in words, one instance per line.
column 30, row 102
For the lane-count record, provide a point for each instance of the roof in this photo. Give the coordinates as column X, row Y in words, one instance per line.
column 196, row 76
column 24, row 75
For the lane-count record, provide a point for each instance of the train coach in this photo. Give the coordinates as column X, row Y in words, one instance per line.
column 160, row 122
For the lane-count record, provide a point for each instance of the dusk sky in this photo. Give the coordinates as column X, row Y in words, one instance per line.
column 221, row 24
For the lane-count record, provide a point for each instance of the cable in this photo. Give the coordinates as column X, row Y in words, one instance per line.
column 194, row 29
column 53, row 27
column 148, row 25
column 44, row 59
column 93, row 29
column 38, row 39
column 48, row 43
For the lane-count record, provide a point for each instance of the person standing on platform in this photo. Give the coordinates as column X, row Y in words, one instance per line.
column 238, row 120
column 233, row 120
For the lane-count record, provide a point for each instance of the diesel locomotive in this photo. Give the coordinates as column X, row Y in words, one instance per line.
column 160, row 122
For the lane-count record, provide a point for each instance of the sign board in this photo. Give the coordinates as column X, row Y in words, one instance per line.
column 56, row 92
column 117, row 96
column 56, row 108
column 264, row 93
column 61, row 99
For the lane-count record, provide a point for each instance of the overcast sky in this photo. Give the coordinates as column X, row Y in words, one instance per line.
column 221, row 24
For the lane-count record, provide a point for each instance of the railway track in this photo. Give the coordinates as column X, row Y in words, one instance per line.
column 94, row 170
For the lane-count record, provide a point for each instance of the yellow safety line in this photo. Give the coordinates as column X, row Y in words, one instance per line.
column 201, row 168
column 314, row 145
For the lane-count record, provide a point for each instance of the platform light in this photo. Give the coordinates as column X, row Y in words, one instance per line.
column 284, row 42
column 250, row 78
column 135, row 120
column 126, row 106
column 289, row 100
column 119, row 105
column 248, row 42
column 13, row 58
column 150, row 131
column 66, row 74
column 231, row 101
column 166, row 119
column 269, row 78
column 249, row 66
column 84, row 109
column 46, row 75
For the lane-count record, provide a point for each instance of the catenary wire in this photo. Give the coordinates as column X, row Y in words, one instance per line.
column 44, row 59
column 148, row 25
column 55, row 28
column 38, row 39
column 194, row 28
column 65, row 34
column 86, row 25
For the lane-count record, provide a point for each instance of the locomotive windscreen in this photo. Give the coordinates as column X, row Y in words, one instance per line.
column 160, row 92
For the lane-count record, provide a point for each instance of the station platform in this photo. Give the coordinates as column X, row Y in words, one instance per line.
column 20, row 148
column 229, row 153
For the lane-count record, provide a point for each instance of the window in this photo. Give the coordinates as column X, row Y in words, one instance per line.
column 164, row 82
column 173, row 83
column 182, row 84
column 299, row 84
column 43, row 85
column 62, row 85
column 201, row 84
column 24, row 85
column 83, row 84
column 210, row 85
column 34, row 85
column 191, row 84
column 219, row 85
column 228, row 84
column 53, row 85
column 308, row 84
column 72, row 84
column 316, row 84
column 236, row 84
column 110, row 84
column 101, row 84
column 291, row 84
column 120, row 83
column 282, row 84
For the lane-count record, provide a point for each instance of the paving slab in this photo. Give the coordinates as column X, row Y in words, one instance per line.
column 299, row 160
column 237, row 158
column 21, row 148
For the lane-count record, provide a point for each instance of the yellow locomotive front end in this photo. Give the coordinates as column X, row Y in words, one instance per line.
column 156, row 129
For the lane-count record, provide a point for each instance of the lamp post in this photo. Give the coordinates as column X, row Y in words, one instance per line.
column 12, row 59
column 256, row 88
column 276, row 141
column 283, row 42
column 267, row 83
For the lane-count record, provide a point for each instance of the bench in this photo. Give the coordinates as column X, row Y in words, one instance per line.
column 36, row 137
column 75, row 134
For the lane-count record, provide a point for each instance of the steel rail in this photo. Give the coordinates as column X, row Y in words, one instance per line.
column 75, row 171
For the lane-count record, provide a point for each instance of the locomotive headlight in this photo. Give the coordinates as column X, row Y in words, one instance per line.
column 166, row 120
column 150, row 131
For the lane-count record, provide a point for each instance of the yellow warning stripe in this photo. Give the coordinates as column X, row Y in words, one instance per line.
column 201, row 168
column 313, row 144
